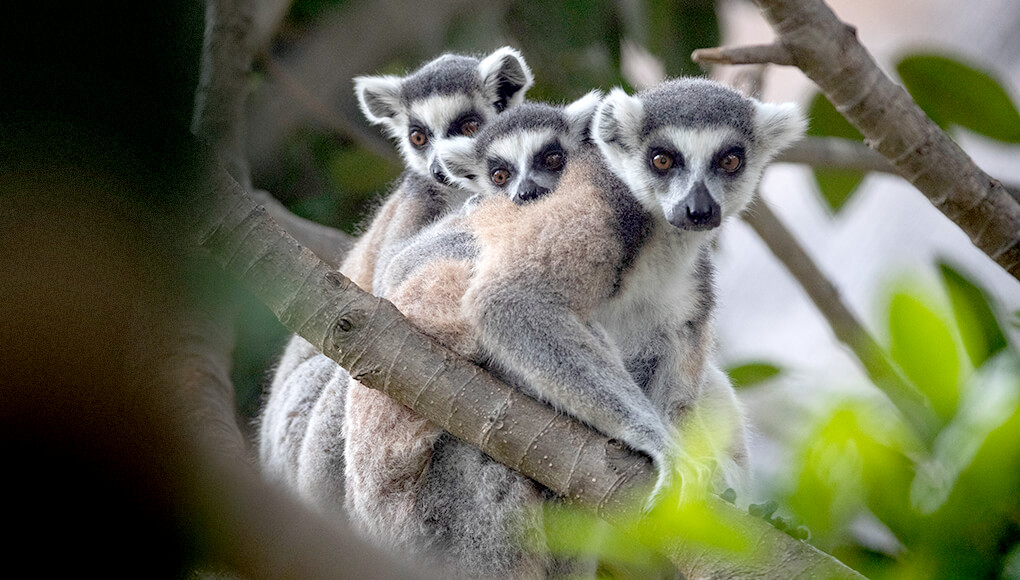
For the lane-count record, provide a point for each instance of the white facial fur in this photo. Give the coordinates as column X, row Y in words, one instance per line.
column 500, row 81
column 435, row 114
column 618, row 131
column 515, row 144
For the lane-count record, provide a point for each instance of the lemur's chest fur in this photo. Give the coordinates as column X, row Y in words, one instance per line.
column 662, row 288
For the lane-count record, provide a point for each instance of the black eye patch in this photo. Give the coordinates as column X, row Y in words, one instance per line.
column 730, row 160
column 467, row 124
column 551, row 157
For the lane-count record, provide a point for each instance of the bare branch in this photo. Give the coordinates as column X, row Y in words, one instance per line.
column 848, row 330
column 223, row 87
column 836, row 153
column 757, row 54
column 329, row 244
column 827, row 50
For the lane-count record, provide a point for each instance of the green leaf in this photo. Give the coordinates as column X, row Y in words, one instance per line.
column 924, row 348
column 750, row 374
column 953, row 93
column 982, row 336
column 674, row 30
column 836, row 185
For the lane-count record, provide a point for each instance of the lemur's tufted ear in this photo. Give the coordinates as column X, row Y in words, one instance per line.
column 619, row 117
column 505, row 77
column 379, row 98
column 778, row 126
column 459, row 160
column 579, row 115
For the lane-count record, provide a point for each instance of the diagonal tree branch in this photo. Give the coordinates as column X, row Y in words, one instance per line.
column 914, row 407
column 827, row 50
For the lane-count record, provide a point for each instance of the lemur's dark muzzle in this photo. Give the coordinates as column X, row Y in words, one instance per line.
column 438, row 174
column 699, row 211
column 530, row 190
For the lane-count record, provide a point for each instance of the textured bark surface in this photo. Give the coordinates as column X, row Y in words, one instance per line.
column 827, row 50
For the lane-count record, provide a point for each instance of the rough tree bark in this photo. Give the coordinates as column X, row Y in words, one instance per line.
column 812, row 38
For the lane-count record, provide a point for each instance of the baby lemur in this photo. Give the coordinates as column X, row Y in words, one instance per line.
column 300, row 436
column 593, row 293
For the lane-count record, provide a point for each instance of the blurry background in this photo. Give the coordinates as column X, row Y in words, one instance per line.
column 873, row 235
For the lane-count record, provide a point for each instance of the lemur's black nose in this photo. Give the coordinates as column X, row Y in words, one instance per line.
column 438, row 174
column 530, row 193
column 702, row 212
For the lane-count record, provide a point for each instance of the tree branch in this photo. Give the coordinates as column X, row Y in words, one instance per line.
column 848, row 330
column 366, row 335
column 756, row 54
column 828, row 52
column 226, row 63
column 837, row 153
column 329, row 244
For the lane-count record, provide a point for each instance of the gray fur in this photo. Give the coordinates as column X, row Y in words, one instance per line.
column 466, row 510
column 695, row 104
column 446, row 75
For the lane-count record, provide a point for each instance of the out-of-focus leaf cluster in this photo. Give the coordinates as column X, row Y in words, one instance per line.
column 894, row 504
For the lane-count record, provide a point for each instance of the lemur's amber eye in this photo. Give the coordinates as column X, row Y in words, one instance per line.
column 730, row 163
column 500, row 176
column 662, row 162
column 418, row 138
column 554, row 161
column 469, row 128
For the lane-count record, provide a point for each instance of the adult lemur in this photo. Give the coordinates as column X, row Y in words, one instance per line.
column 452, row 96
column 595, row 296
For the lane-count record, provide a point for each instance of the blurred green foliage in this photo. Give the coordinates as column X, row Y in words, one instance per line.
column 835, row 185
column 752, row 373
column 954, row 93
column 948, row 509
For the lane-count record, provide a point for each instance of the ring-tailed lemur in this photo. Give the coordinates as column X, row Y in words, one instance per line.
column 300, row 436
column 411, row 485
column 596, row 296
column 624, row 244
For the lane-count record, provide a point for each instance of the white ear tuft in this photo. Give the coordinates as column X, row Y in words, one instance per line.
column 506, row 77
column 379, row 97
column 458, row 158
column 778, row 125
column 580, row 113
column 619, row 116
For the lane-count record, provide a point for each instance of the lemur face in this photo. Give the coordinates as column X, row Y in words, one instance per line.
column 450, row 97
column 522, row 154
column 692, row 150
